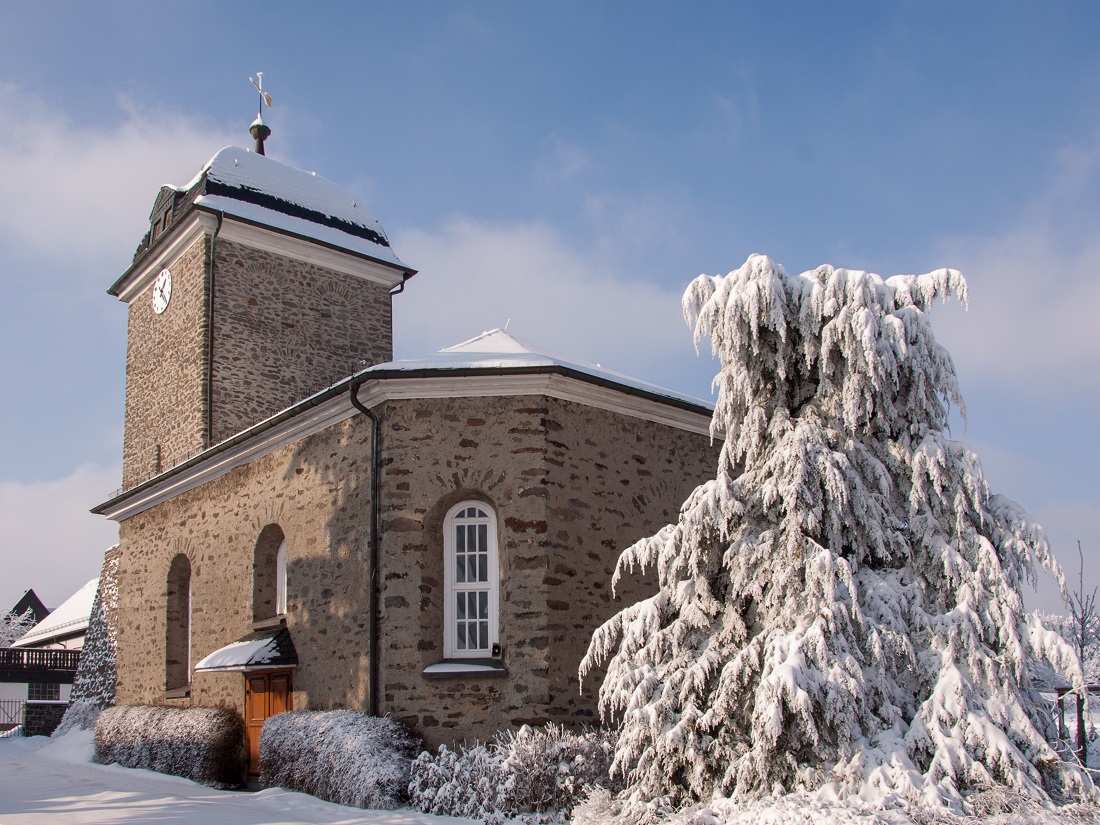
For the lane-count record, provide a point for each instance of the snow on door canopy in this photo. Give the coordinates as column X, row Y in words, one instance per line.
column 839, row 608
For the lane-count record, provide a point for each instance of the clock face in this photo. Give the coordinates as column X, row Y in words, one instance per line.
column 162, row 291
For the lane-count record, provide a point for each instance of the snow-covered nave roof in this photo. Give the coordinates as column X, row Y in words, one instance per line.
column 492, row 354
column 68, row 620
column 260, row 190
column 502, row 351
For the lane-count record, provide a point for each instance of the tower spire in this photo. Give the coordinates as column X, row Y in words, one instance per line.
column 260, row 130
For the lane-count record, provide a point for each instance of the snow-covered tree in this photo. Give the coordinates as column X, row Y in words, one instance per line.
column 13, row 627
column 841, row 603
column 96, row 673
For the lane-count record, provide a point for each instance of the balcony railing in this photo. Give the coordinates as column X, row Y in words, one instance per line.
column 29, row 658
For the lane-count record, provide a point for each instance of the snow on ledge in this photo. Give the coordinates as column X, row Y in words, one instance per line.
column 453, row 668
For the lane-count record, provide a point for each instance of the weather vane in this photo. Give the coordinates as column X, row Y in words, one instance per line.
column 259, row 130
column 264, row 96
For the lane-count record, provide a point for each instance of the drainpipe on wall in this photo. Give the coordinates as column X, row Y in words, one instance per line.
column 372, row 621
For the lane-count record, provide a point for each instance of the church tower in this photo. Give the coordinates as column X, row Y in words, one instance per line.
column 256, row 285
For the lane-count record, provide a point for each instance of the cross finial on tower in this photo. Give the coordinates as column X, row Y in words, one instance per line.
column 259, row 130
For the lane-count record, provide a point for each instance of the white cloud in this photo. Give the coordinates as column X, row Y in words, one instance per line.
column 90, row 185
column 1034, row 289
column 51, row 543
column 476, row 276
column 561, row 160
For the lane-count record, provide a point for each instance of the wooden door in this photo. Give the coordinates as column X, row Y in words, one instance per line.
column 266, row 694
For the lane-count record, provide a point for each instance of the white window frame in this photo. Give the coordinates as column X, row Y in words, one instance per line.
column 452, row 587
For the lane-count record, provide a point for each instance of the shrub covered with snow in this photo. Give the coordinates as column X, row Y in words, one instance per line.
column 342, row 756
column 207, row 745
column 80, row 715
column 540, row 771
column 840, row 606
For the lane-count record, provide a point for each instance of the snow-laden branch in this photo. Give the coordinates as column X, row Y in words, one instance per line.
column 841, row 603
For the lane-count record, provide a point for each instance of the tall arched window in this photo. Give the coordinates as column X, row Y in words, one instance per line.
column 471, row 581
column 269, row 574
column 177, row 636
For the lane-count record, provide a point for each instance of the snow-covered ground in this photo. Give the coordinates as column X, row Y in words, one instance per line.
column 49, row 782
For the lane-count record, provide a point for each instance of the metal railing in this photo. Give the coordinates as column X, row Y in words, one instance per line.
column 30, row 658
column 11, row 713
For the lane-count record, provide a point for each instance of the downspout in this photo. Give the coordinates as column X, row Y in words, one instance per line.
column 209, row 377
column 372, row 619
column 397, row 290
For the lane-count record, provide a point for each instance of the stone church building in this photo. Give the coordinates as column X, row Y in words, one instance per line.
column 307, row 523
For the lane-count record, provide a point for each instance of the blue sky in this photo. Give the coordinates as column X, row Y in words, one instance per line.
column 570, row 167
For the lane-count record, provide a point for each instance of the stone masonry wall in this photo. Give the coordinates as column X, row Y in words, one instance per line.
column 317, row 491
column 165, row 367
column 284, row 329
column 611, row 480
column 570, row 485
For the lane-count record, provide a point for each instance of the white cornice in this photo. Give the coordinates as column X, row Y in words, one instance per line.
column 309, row 252
column 196, row 224
column 377, row 391
column 199, row 222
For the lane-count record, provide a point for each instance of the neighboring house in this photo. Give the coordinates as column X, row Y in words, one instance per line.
column 307, row 523
column 40, row 666
column 30, row 601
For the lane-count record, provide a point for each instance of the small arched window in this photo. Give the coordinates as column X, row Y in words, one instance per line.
column 177, row 637
column 471, row 581
column 269, row 575
column 280, row 579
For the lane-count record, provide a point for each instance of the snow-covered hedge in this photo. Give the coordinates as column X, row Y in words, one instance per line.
column 543, row 771
column 342, row 756
column 204, row 744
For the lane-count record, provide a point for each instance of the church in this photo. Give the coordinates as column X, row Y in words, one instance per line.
column 307, row 523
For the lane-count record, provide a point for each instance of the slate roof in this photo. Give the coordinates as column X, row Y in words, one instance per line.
column 260, row 190
column 70, row 619
column 31, row 602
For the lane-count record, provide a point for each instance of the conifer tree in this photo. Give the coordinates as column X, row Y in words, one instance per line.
column 841, row 603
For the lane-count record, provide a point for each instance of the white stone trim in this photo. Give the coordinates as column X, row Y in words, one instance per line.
column 200, row 222
column 195, row 225
column 376, row 391
column 554, row 385
column 309, row 252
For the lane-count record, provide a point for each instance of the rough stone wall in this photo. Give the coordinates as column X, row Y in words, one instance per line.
column 284, row 329
column 611, row 480
column 317, row 491
column 570, row 485
column 436, row 453
column 165, row 368
column 42, row 718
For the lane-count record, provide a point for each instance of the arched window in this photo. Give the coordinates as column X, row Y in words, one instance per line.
column 269, row 575
column 177, row 637
column 280, row 580
column 472, row 581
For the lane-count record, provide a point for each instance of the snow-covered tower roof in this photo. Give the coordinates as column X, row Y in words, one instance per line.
column 258, row 190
